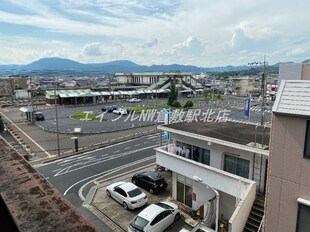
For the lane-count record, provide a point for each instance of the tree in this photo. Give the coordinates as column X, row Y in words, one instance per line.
column 173, row 95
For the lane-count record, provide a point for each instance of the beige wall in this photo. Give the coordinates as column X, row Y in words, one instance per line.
column 288, row 174
column 305, row 72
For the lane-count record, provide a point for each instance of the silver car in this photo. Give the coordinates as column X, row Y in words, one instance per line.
column 127, row 194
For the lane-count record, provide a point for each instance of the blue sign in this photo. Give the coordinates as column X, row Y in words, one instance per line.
column 247, row 105
column 166, row 135
column 167, row 113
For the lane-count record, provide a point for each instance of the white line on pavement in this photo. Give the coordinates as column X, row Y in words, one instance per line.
column 38, row 145
column 90, row 152
column 126, row 148
column 117, row 151
column 105, row 174
column 82, row 165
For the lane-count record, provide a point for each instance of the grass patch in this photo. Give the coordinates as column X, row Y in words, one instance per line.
column 87, row 116
column 209, row 98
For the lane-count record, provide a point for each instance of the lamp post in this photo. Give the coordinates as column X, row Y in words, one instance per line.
column 198, row 179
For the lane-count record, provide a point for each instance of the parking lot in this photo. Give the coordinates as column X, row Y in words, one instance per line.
column 118, row 215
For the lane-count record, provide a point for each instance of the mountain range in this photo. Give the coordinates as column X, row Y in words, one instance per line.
column 60, row 65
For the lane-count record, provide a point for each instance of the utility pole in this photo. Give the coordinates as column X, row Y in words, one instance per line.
column 56, row 115
column 263, row 86
column 31, row 98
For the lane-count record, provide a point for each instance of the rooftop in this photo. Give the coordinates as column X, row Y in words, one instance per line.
column 239, row 133
column 31, row 201
column 293, row 98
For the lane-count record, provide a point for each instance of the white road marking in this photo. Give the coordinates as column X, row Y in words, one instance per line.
column 126, row 148
column 82, row 165
column 38, row 145
column 56, row 170
column 104, row 174
column 146, row 142
column 90, row 152
column 117, row 151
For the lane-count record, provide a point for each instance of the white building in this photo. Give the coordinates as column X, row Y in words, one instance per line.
column 159, row 80
column 226, row 157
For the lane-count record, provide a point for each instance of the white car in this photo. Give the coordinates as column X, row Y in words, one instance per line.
column 155, row 218
column 127, row 194
column 120, row 111
column 134, row 100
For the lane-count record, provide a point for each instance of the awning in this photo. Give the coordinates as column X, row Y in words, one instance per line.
column 25, row 110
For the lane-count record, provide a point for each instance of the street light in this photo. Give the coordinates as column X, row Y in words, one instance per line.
column 198, row 179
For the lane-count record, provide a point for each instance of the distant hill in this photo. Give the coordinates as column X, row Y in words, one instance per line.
column 71, row 67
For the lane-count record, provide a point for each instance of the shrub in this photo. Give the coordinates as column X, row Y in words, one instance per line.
column 176, row 104
column 188, row 104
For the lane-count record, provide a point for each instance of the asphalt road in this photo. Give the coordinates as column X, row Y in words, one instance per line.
column 113, row 122
column 73, row 176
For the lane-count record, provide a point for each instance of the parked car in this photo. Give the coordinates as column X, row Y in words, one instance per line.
column 150, row 181
column 127, row 194
column 6, row 104
column 109, row 108
column 129, row 110
column 155, row 218
column 39, row 116
column 120, row 111
column 132, row 100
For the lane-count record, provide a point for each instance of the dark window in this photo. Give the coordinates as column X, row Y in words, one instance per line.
column 135, row 192
column 307, row 141
column 120, row 191
column 303, row 222
column 238, row 166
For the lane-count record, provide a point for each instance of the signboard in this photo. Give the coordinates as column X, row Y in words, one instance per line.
column 166, row 135
column 247, row 105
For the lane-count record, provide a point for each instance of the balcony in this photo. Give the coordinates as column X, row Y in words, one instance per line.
column 244, row 190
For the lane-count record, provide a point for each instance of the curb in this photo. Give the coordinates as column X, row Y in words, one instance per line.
column 104, row 182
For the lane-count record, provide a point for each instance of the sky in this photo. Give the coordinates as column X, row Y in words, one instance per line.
column 205, row 33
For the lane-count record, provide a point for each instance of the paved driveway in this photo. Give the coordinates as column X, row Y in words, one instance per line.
column 122, row 217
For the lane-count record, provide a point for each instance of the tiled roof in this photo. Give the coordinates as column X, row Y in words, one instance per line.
column 293, row 98
column 33, row 202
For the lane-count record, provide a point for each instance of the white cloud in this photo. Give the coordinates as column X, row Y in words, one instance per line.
column 198, row 32
column 148, row 44
column 93, row 49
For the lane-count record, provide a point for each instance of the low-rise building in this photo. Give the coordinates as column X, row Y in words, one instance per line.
column 231, row 158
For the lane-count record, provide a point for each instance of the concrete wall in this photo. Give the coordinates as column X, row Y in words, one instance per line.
column 294, row 72
column 288, row 174
column 231, row 188
column 241, row 214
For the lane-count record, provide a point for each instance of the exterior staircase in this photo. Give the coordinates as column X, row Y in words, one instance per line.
column 256, row 215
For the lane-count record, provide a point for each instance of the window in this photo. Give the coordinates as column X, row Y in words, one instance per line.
column 303, row 222
column 307, row 141
column 184, row 191
column 238, row 166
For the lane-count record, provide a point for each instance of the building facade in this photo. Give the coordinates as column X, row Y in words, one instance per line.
column 232, row 163
column 159, row 80
column 288, row 187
